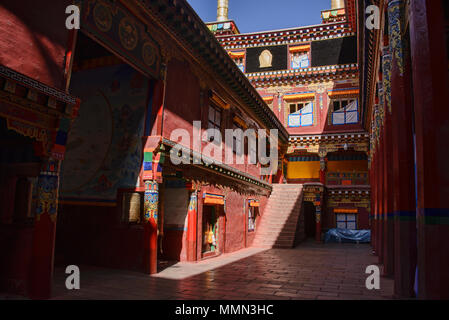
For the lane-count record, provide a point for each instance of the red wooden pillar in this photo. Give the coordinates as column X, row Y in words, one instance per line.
column 42, row 256
column 318, row 218
column 8, row 191
column 388, row 223
column 192, row 227
column 318, row 224
column 373, row 183
column 150, row 226
column 404, row 202
column 323, row 169
column 380, row 194
column 431, row 94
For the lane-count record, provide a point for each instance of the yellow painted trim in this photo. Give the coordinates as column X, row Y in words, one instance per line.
column 300, row 96
column 220, row 102
column 342, row 93
column 241, row 122
column 352, row 210
column 299, row 48
column 236, row 54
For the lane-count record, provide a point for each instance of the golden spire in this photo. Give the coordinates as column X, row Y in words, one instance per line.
column 338, row 4
column 222, row 10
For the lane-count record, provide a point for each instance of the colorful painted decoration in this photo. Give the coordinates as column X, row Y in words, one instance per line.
column 151, row 200
column 193, row 203
column 213, row 199
column 47, row 190
column 130, row 38
column 394, row 30
column 300, row 61
column 386, row 71
column 104, row 147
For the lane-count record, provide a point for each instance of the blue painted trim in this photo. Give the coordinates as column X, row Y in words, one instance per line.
column 300, row 118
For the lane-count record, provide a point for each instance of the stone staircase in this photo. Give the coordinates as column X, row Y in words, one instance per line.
column 279, row 224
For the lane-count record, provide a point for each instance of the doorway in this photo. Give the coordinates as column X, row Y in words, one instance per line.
column 309, row 219
column 210, row 230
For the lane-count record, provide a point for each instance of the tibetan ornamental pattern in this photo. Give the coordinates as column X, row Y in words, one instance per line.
column 113, row 25
column 47, row 191
column 386, row 72
column 192, row 203
column 151, row 200
column 394, row 30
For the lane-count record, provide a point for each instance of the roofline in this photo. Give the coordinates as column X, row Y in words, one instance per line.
column 219, row 22
column 213, row 53
column 288, row 29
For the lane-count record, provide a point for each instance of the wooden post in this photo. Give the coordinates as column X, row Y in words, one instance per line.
column 431, row 94
column 192, row 227
column 151, row 203
column 403, row 164
column 42, row 256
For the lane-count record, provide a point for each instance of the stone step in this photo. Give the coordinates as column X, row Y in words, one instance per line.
column 281, row 216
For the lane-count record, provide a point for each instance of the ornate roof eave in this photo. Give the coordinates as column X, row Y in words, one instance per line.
column 219, row 168
column 305, row 33
column 58, row 102
column 309, row 74
column 368, row 63
column 358, row 137
column 338, row 191
column 182, row 21
column 230, row 42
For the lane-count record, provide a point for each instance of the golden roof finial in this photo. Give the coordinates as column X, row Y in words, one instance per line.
column 338, row 4
column 222, row 10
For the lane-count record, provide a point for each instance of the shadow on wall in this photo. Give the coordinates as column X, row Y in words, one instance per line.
column 35, row 38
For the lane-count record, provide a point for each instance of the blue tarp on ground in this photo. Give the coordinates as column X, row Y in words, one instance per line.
column 348, row 236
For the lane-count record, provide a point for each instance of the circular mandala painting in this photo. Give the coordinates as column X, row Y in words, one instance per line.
column 128, row 34
column 148, row 54
column 102, row 17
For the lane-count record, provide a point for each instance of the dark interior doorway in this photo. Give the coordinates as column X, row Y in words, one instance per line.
column 309, row 219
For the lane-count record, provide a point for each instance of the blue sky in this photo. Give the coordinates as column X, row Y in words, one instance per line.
column 262, row 15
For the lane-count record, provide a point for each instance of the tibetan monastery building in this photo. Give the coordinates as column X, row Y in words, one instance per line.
column 309, row 77
column 87, row 119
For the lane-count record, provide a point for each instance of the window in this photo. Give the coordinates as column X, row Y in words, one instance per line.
column 240, row 64
column 301, row 114
column 300, row 60
column 214, row 121
column 346, row 221
column 237, row 141
column 345, row 111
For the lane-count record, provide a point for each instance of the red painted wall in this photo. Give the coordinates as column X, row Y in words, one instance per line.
column 34, row 38
column 184, row 104
column 92, row 235
column 329, row 219
column 321, row 124
column 15, row 247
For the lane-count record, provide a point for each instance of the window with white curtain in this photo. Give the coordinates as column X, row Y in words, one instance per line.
column 301, row 114
column 345, row 111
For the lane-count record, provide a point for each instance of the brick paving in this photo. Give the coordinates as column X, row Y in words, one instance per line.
column 310, row 271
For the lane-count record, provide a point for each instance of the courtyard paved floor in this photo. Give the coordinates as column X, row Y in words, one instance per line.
column 310, row 271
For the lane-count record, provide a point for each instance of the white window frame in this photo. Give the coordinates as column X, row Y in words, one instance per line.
column 343, row 111
column 304, row 103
